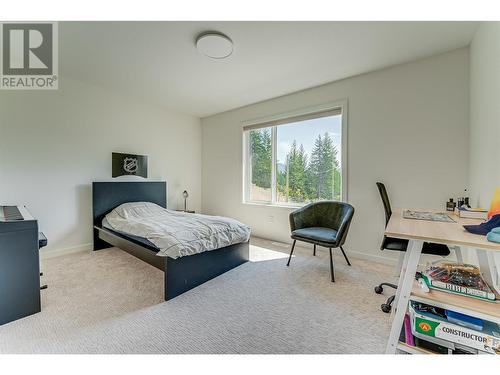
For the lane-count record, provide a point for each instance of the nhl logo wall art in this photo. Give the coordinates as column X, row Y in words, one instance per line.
column 129, row 165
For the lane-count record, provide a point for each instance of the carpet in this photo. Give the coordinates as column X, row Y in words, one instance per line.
column 110, row 302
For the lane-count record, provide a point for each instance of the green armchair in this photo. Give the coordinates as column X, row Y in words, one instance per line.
column 324, row 224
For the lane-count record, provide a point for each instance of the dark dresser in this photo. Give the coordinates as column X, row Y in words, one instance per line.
column 19, row 264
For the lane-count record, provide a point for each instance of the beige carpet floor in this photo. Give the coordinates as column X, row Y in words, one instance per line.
column 110, row 302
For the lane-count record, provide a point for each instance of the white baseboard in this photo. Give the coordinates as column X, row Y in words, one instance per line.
column 355, row 254
column 53, row 253
column 371, row 257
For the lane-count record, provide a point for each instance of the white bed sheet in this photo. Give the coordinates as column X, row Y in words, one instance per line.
column 175, row 233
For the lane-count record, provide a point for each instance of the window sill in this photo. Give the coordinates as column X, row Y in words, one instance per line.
column 273, row 205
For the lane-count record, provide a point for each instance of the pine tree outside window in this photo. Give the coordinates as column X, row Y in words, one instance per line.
column 297, row 158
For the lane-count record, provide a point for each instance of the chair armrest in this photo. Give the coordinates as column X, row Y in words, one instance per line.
column 344, row 225
column 302, row 218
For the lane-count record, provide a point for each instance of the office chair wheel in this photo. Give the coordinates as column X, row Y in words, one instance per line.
column 385, row 307
column 378, row 289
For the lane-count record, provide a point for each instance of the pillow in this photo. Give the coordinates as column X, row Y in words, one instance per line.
column 138, row 209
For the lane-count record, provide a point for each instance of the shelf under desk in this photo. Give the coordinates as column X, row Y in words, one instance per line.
column 413, row 349
column 462, row 304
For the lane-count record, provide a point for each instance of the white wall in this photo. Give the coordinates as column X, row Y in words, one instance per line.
column 485, row 113
column 407, row 127
column 53, row 144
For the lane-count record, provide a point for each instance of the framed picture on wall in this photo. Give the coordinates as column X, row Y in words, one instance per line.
column 129, row 165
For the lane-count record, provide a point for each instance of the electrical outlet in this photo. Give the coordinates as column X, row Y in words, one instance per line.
column 271, row 219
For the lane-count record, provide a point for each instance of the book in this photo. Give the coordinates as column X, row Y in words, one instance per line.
column 439, row 330
column 463, row 279
column 409, row 339
column 472, row 213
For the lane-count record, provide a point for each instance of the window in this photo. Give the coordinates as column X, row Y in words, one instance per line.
column 296, row 159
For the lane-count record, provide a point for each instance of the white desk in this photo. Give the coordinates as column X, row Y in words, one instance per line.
column 452, row 234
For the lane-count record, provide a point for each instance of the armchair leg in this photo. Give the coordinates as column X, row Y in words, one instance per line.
column 314, row 251
column 291, row 252
column 331, row 266
column 345, row 256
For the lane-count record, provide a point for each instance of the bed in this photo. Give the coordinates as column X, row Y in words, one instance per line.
column 182, row 273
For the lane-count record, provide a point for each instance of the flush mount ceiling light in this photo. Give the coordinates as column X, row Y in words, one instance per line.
column 214, row 45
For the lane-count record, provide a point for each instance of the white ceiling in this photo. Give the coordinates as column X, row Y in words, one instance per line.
column 158, row 61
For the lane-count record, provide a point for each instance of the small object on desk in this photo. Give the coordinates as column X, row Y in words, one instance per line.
column 187, row 211
column 486, row 227
column 450, row 205
column 494, row 235
column 472, row 213
column 424, row 215
column 466, row 202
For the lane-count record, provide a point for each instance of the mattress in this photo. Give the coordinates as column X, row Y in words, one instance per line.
column 175, row 234
column 140, row 240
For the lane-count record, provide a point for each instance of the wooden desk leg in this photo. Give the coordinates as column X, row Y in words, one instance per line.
column 399, row 264
column 404, row 290
column 402, row 268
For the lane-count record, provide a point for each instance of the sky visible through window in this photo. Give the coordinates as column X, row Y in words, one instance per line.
column 306, row 132
column 307, row 166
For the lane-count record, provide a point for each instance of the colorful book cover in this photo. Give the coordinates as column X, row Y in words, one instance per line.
column 463, row 279
column 458, row 334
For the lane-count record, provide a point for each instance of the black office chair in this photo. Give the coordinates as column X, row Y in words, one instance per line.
column 324, row 224
column 398, row 244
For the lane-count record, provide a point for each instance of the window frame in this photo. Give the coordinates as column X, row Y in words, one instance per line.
column 246, row 171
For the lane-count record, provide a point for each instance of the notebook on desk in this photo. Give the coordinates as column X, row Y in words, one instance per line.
column 429, row 216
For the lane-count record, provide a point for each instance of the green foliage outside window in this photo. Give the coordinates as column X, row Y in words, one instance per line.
column 302, row 177
column 261, row 151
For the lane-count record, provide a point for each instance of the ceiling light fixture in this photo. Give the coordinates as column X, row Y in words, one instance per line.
column 214, row 45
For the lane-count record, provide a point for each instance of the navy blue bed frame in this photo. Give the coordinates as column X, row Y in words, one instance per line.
column 181, row 274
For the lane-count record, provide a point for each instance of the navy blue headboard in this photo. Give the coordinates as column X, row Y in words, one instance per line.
column 108, row 195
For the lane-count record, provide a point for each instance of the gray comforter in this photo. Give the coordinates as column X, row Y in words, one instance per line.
column 175, row 233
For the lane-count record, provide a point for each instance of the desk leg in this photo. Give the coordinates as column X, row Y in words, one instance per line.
column 399, row 264
column 404, row 290
column 404, row 263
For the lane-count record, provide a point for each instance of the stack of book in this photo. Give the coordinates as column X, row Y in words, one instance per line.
column 464, row 279
column 472, row 213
